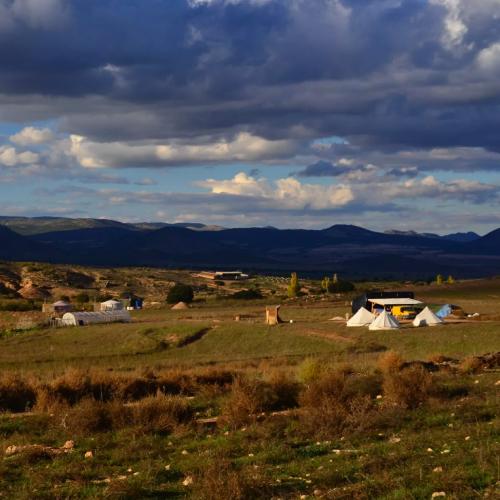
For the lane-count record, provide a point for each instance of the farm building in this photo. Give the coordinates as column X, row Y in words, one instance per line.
column 111, row 305
column 91, row 318
column 59, row 307
column 223, row 275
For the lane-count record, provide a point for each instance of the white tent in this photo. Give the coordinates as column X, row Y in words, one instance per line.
column 427, row 318
column 90, row 318
column 384, row 321
column 111, row 305
column 363, row 317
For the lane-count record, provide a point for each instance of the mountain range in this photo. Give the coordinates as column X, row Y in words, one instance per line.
column 353, row 251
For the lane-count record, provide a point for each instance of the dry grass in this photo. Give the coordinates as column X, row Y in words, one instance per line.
column 471, row 364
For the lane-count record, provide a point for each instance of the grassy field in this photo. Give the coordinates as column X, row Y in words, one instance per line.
column 195, row 404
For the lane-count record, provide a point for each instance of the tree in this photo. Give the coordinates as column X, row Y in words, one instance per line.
column 341, row 286
column 335, row 278
column 180, row 293
column 325, row 284
column 450, row 280
column 439, row 279
column 82, row 298
column 294, row 286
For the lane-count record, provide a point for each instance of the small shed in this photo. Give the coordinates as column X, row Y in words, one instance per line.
column 91, row 318
column 111, row 305
column 273, row 315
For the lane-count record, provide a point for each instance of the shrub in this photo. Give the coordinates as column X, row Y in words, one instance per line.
column 408, row 388
column 309, row 370
column 88, row 417
column 180, row 293
column 219, row 479
column 390, row 362
column 161, row 414
column 470, row 365
column 16, row 394
column 341, row 287
column 243, row 403
column 251, row 294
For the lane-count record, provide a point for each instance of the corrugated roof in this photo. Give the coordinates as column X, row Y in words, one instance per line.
column 395, row 302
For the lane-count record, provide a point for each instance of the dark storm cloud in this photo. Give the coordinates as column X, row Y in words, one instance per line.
column 385, row 74
column 321, row 169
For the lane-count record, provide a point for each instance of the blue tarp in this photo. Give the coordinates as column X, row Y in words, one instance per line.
column 444, row 311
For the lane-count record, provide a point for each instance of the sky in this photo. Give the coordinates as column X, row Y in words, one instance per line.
column 288, row 113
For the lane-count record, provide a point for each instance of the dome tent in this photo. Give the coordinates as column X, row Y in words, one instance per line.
column 427, row 318
column 362, row 318
column 111, row 305
column 384, row 321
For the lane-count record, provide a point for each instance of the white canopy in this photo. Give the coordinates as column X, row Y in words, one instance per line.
column 111, row 305
column 384, row 321
column 395, row 302
column 427, row 318
column 363, row 317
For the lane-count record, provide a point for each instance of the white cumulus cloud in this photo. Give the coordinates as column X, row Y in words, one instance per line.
column 32, row 135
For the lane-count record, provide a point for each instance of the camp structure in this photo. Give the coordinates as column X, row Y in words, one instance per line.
column 384, row 321
column 450, row 310
column 111, row 305
column 427, row 318
column 364, row 299
column 273, row 315
column 179, row 306
column 362, row 318
column 91, row 318
column 59, row 307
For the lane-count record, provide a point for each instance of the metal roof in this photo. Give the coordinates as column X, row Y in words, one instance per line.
column 395, row 302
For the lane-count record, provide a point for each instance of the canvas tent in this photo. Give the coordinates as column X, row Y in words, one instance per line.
column 91, row 318
column 362, row 318
column 59, row 307
column 427, row 318
column 111, row 305
column 384, row 321
column 180, row 306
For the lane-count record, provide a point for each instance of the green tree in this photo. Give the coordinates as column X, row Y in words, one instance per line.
column 180, row 293
column 294, row 286
column 335, row 278
column 450, row 280
column 439, row 279
column 325, row 284
column 82, row 298
column 341, row 286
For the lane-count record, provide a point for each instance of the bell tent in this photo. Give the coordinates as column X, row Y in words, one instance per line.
column 384, row 321
column 362, row 318
column 427, row 318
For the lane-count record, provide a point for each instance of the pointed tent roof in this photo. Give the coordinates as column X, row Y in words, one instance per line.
column 111, row 302
column 427, row 318
column 180, row 305
column 384, row 321
column 363, row 317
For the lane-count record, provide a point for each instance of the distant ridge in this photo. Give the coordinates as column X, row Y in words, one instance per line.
column 349, row 250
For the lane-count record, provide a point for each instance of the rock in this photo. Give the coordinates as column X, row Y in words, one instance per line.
column 69, row 445
column 188, row 481
column 89, row 454
column 438, row 494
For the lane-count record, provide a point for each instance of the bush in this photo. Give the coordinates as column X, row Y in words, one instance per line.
column 88, row 417
column 82, row 298
column 180, row 293
column 16, row 394
column 248, row 294
column 161, row 414
column 471, row 365
column 408, row 388
column 341, row 286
